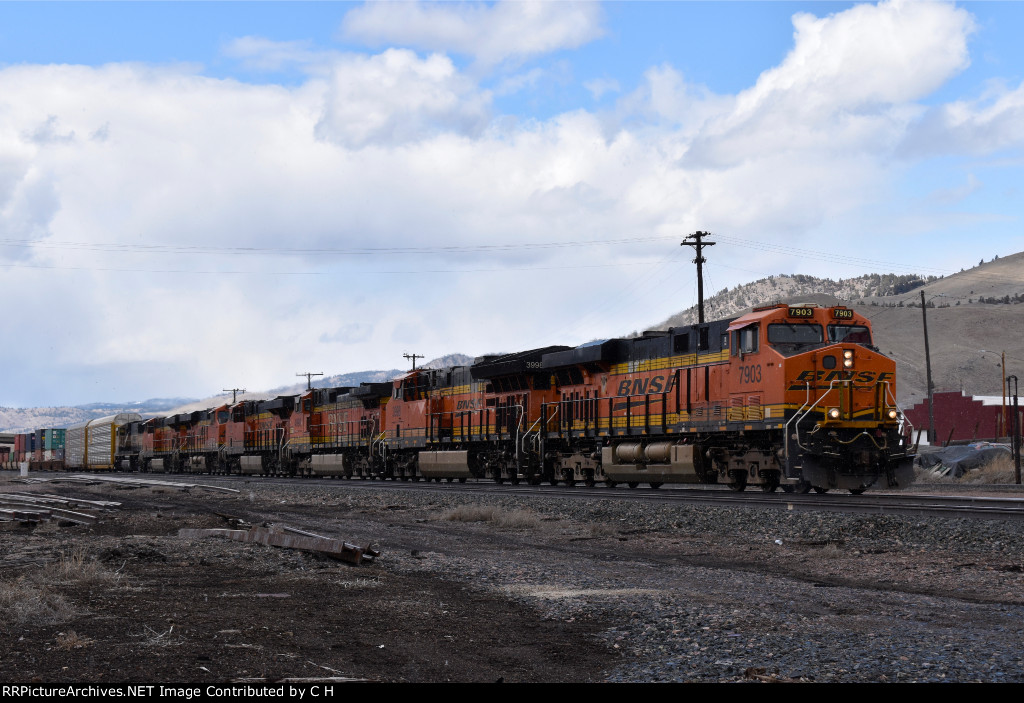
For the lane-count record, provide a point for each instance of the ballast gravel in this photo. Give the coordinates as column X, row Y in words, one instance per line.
column 708, row 594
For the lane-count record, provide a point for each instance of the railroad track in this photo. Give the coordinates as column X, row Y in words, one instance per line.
column 965, row 505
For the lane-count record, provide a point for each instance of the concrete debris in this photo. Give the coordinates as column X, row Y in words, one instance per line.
column 278, row 537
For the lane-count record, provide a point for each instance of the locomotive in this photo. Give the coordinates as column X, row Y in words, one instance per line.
column 790, row 396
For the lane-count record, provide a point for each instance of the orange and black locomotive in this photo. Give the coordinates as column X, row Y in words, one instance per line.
column 791, row 396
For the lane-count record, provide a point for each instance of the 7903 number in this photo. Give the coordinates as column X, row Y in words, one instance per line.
column 750, row 374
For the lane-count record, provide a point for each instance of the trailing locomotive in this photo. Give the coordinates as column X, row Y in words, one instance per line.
column 791, row 396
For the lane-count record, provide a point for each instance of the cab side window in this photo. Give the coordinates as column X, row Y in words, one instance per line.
column 746, row 340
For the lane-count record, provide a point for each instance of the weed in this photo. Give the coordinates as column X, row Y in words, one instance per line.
column 511, row 519
column 76, row 568
column 72, row 640
column 23, row 602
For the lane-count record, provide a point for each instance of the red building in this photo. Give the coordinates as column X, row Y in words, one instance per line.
column 962, row 417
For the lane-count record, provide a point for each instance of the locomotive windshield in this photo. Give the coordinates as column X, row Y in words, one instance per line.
column 789, row 338
column 856, row 334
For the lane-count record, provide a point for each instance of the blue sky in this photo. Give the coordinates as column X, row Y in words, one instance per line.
column 331, row 184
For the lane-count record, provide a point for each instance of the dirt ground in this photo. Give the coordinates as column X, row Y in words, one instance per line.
column 127, row 600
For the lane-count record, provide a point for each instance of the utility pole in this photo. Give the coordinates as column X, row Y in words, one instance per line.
column 309, row 378
column 234, row 393
column 928, row 371
column 1015, row 425
column 1005, row 431
column 697, row 245
column 414, row 357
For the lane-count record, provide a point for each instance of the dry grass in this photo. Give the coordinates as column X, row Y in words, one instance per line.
column 72, row 640
column 23, row 602
column 999, row 470
column 33, row 598
column 510, row 519
column 602, row 529
column 77, row 568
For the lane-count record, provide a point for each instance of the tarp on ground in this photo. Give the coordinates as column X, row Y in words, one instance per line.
column 955, row 461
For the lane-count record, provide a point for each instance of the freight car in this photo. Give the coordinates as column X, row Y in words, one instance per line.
column 791, row 396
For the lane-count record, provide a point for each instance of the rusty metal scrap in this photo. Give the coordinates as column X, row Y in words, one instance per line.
column 277, row 537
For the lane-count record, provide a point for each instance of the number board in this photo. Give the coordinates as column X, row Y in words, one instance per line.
column 801, row 312
column 842, row 314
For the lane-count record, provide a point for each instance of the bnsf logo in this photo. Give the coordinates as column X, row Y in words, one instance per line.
column 821, row 377
column 468, row 405
column 642, row 386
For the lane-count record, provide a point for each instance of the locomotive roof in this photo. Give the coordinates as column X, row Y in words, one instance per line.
column 652, row 345
column 511, row 364
column 369, row 390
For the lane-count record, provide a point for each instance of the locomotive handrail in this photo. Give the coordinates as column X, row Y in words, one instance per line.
column 904, row 420
column 797, row 416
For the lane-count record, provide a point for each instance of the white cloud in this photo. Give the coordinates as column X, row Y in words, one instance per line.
column 396, row 97
column 492, row 34
column 849, row 84
column 994, row 121
column 264, row 54
column 600, row 86
column 396, row 150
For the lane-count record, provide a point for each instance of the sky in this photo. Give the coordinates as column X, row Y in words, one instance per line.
column 203, row 195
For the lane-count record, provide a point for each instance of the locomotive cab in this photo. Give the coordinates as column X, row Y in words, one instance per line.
column 814, row 373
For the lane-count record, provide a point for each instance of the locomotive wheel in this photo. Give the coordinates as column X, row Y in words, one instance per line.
column 655, row 485
column 462, row 479
column 803, row 487
column 514, row 481
column 737, row 486
column 769, row 487
column 819, row 489
column 857, row 491
column 610, row 483
column 632, row 484
column 589, row 483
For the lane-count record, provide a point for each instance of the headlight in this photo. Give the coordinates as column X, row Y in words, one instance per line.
column 848, row 359
column 893, row 414
column 833, row 413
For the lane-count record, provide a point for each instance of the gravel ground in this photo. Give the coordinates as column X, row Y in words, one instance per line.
column 719, row 594
column 627, row 592
column 711, row 594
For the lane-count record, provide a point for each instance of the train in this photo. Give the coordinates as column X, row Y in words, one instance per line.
column 796, row 397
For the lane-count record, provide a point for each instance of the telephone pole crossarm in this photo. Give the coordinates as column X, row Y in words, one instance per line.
column 698, row 243
column 309, row 378
column 234, row 393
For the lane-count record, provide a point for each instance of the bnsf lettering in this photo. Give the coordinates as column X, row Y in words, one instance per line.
column 829, row 376
column 468, row 405
column 641, row 386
